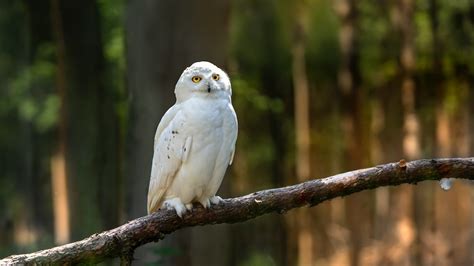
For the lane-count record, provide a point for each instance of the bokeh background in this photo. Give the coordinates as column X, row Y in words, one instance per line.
column 320, row 87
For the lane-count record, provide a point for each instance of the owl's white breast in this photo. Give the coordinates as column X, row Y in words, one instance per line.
column 204, row 119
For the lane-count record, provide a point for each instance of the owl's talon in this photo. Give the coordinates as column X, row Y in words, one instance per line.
column 189, row 206
column 175, row 204
column 216, row 200
column 205, row 203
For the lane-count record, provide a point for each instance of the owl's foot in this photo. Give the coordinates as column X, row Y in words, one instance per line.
column 189, row 206
column 205, row 203
column 177, row 205
column 215, row 200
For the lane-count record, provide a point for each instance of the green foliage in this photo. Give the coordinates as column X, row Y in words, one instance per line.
column 424, row 41
column 31, row 91
column 112, row 14
column 261, row 80
column 258, row 259
column 376, row 47
column 27, row 84
column 457, row 35
column 258, row 36
column 322, row 46
column 251, row 97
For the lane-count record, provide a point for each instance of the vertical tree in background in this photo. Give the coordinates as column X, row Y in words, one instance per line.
column 411, row 142
column 471, row 95
column 301, row 95
column 401, row 213
column 17, row 160
column 302, row 129
column 58, row 160
column 425, row 197
column 162, row 39
column 453, row 221
column 353, row 120
column 443, row 138
column 323, row 57
column 263, row 100
column 27, row 109
column 89, row 119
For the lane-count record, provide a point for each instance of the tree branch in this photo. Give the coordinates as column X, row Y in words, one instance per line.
column 122, row 241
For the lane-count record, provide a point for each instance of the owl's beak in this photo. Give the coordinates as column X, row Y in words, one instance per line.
column 208, row 88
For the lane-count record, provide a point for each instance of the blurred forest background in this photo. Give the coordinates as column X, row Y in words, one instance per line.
column 320, row 87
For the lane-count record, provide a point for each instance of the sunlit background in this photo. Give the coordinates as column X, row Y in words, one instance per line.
column 320, row 87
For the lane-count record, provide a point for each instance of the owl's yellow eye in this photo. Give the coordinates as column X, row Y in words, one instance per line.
column 216, row 77
column 196, row 79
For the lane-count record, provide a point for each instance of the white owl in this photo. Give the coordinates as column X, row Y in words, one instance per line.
column 194, row 142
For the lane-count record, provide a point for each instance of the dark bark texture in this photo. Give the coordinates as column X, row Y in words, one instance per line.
column 121, row 241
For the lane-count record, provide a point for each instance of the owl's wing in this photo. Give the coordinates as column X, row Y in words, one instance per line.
column 232, row 132
column 170, row 150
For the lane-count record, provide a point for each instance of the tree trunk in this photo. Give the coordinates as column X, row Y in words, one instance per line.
column 89, row 119
column 354, row 124
column 163, row 38
column 25, row 206
column 259, row 30
column 404, row 233
column 453, row 228
column 58, row 161
column 302, row 128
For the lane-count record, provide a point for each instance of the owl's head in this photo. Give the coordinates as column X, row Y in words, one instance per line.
column 203, row 79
